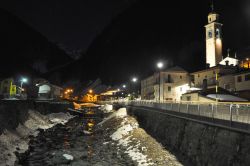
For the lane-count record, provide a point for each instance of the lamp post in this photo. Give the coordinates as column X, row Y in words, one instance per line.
column 216, row 88
column 160, row 66
column 23, row 80
column 134, row 80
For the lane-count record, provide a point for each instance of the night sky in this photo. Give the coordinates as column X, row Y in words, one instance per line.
column 126, row 37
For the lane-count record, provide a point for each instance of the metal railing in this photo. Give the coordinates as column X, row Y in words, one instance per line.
column 233, row 112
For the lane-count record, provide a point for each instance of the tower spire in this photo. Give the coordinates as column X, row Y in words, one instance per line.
column 212, row 6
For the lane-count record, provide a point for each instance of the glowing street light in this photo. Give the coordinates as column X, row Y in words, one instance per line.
column 90, row 91
column 134, row 79
column 124, row 86
column 160, row 65
column 23, row 80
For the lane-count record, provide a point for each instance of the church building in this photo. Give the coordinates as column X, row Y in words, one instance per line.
column 214, row 43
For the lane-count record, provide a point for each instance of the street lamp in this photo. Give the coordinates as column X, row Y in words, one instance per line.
column 124, row 86
column 160, row 65
column 90, row 91
column 134, row 79
column 133, row 87
column 23, row 80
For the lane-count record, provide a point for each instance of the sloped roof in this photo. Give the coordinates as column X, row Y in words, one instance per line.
column 176, row 69
column 219, row 66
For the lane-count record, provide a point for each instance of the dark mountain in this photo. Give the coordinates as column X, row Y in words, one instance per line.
column 26, row 51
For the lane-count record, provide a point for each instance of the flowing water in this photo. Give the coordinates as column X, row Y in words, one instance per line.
column 75, row 139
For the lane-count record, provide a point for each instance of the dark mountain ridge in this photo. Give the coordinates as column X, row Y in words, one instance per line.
column 26, row 51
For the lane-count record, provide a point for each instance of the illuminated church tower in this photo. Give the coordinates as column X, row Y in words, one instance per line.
column 213, row 39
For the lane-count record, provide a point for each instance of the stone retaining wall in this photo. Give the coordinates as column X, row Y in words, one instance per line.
column 194, row 143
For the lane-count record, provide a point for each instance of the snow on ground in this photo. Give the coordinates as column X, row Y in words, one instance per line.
column 68, row 157
column 122, row 112
column 135, row 142
column 107, row 108
column 17, row 140
column 225, row 97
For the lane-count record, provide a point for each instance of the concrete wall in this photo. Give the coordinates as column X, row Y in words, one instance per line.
column 13, row 112
column 194, row 143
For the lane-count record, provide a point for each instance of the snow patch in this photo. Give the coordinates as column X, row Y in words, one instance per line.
column 61, row 118
column 107, row 108
column 68, row 157
column 225, row 97
column 121, row 113
column 10, row 141
column 87, row 132
column 124, row 138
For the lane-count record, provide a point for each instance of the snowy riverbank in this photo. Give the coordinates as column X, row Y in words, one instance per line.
column 131, row 140
column 12, row 141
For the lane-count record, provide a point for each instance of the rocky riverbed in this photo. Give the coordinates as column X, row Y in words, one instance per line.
column 17, row 141
column 114, row 140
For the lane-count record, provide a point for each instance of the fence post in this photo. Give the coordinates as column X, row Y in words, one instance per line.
column 171, row 106
column 187, row 109
column 213, row 112
column 231, row 115
column 179, row 109
column 199, row 111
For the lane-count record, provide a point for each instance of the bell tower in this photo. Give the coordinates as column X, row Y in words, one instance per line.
column 213, row 39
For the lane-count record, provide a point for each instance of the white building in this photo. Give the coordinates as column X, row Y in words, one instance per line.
column 49, row 91
column 166, row 85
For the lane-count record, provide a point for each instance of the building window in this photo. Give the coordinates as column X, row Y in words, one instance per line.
column 214, row 72
column 169, row 78
column 188, row 98
column 239, row 79
column 198, row 75
column 169, row 88
column 217, row 33
column 210, row 34
column 247, row 77
column 180, row 77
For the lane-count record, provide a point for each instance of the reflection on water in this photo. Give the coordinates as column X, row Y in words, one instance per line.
column 88, row 125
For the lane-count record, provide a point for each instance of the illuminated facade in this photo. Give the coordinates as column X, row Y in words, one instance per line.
column 8, row 89
column 213, row 40
column 167, row 85
column 245, row 64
